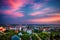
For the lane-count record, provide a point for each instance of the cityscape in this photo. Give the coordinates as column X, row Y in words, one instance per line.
column 30, row 32
column 29, row 19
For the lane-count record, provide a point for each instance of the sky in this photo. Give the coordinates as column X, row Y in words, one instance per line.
column 29, row 11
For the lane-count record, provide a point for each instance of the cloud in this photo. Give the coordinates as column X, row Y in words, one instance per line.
column 43, row 11
column 36, row 13
column 53, row 14
column 48, row 9
column 16, row 4
column 18, row 14
column 37, row 6
column 8, row 12
column 40, row 4
column 13, row 13
column 45, row 20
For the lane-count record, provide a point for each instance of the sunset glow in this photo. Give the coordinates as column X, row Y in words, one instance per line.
column 30, row 11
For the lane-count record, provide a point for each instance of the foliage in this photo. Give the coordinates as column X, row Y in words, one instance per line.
column 23, row 32
column 34, row 37
column 7, row 35
column 25, row 37
column 53, row 35
column 37, row 31
column 43, row 35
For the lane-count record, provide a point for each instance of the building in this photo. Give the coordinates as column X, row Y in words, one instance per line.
column 2, row 29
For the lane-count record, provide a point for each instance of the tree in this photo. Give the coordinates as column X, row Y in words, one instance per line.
column 25, row 37
column 43, row 35
column 7, row 35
